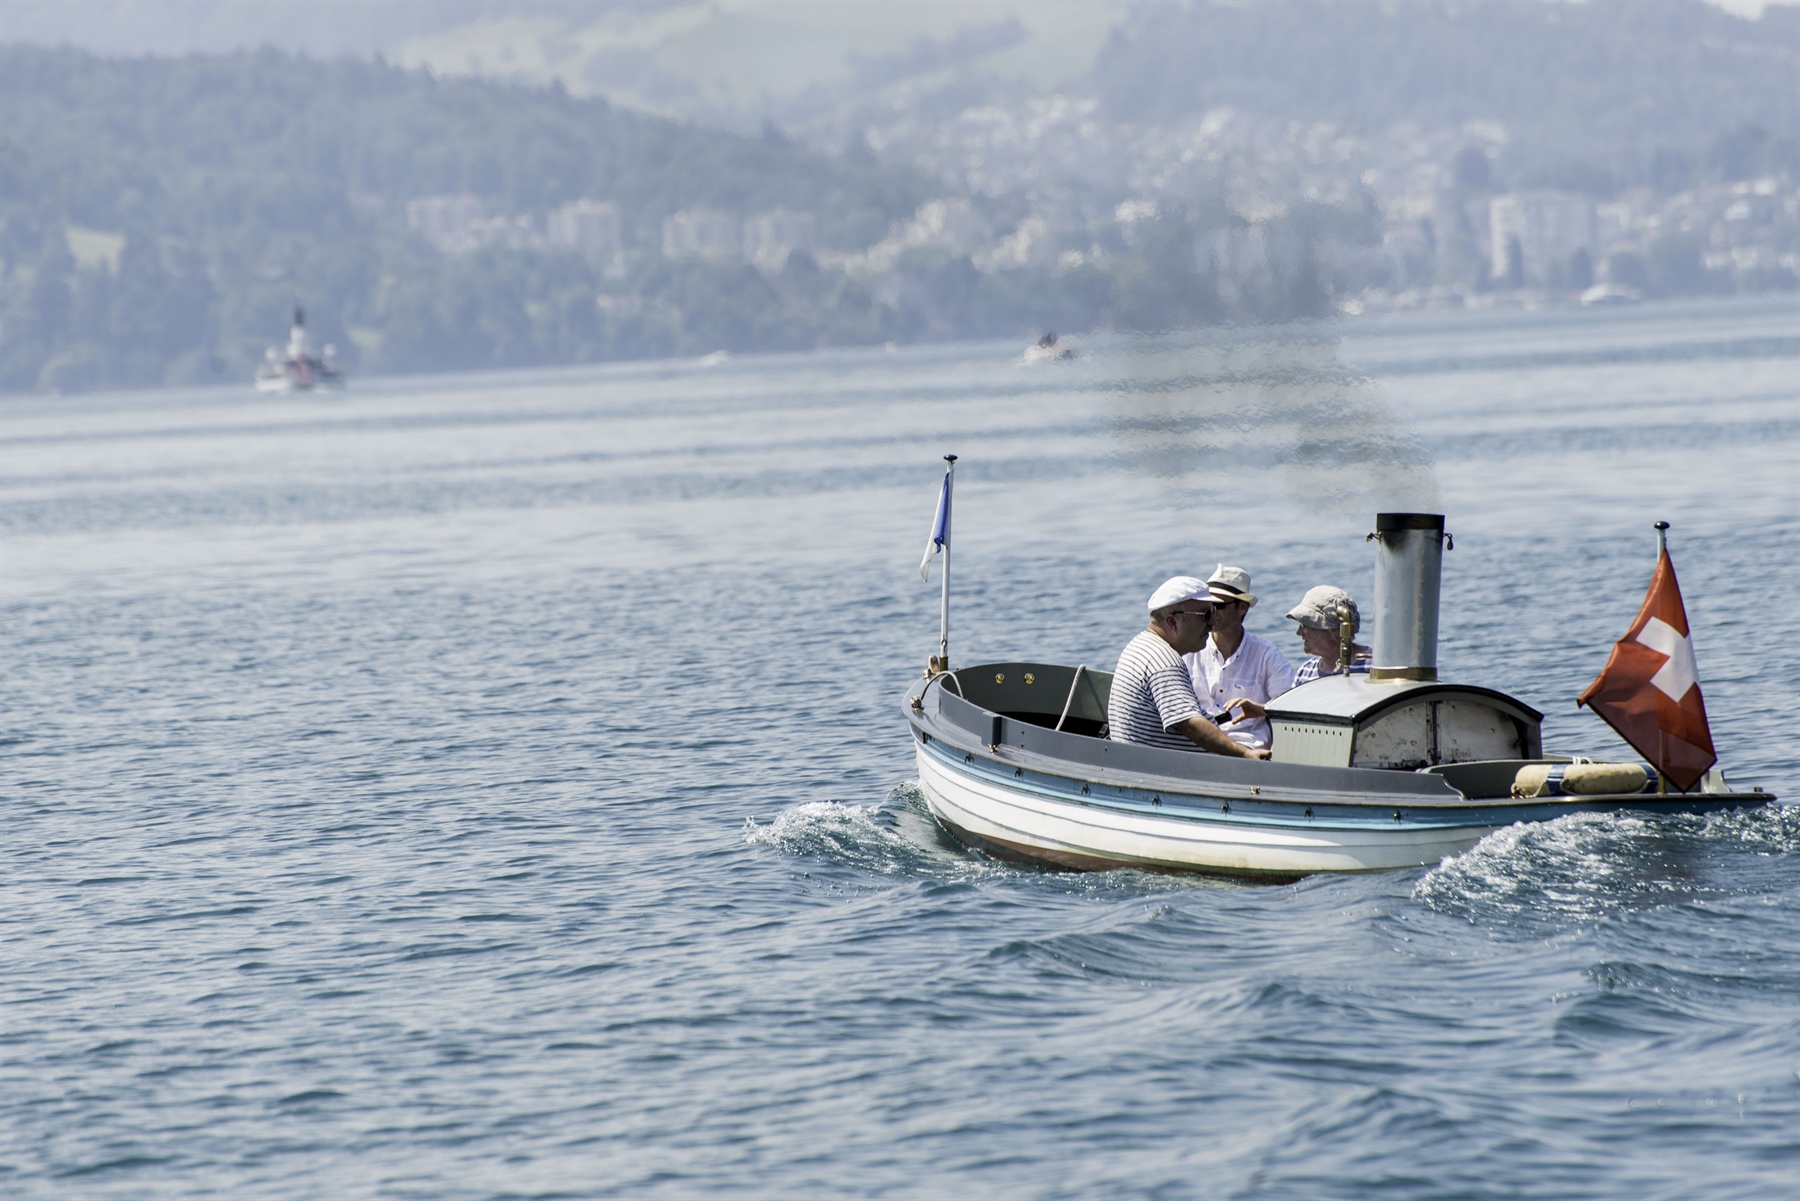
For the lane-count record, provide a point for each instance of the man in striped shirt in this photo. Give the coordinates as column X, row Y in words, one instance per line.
column 1153, row 701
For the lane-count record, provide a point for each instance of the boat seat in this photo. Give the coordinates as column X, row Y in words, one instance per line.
column 1086, row 726
column 1039, row 694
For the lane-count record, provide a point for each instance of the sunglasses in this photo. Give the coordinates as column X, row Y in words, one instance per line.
column 1190, row 613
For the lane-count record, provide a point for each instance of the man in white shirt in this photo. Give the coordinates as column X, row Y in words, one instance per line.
column 1152, row 701
column 1235, row 665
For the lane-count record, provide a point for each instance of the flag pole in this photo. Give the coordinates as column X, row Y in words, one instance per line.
column 1662, row 738
column 944, row 596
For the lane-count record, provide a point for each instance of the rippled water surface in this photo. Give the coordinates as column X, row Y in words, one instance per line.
column 496, row 786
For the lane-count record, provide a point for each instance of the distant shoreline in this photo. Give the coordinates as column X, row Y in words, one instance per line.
column 1095, row 344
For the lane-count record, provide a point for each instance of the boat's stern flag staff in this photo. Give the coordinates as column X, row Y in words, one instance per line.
column 940, row 543
column 1649, row 690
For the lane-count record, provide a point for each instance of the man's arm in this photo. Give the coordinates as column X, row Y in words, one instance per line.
column 1208, row 737
column 1278, row 674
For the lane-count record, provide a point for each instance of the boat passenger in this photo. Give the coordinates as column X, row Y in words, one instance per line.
column 1319, row 616
column 1237, row 666
column 1153, row 700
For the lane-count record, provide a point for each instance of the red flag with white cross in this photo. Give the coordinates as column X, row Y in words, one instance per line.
column 1649, row 690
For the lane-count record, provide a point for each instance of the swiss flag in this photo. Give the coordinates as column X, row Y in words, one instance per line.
column 1648, row 690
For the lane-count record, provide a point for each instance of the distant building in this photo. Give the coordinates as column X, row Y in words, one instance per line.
column 1534, row 236
column 1131, row 214
column 616, row 304
column 769, row 238
column 588, row 227
column 702, row 233
column 1232, row 252
column 951, row 223
column 1411, row 254
column 460, row 224
column 447, row 222
column 1237, row 254
column 514, row 233
column 1622, row 223
column 1030, row 245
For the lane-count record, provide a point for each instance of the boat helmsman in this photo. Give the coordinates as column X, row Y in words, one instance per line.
column 1153, row 700
column 1236, row 665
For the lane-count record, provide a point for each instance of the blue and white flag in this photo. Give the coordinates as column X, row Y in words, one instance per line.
column 940, row 530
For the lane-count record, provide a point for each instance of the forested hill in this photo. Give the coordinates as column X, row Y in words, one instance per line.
column 159, row 217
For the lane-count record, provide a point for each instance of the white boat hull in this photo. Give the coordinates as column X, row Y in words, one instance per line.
column 293, row 382
column 1033, row 823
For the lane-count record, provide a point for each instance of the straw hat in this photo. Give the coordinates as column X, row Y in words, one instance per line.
column 1231, row 584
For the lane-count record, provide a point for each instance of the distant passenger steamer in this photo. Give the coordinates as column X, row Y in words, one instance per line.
column 299, row 370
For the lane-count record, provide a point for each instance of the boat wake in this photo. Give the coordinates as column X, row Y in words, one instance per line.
column 894, row 837
column 1541, row 876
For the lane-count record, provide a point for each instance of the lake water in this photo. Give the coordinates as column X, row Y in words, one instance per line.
column 496, row 786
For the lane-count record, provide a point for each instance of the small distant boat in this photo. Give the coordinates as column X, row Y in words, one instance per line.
column 1049, row 349
column 1607, row 295
column 299, row 369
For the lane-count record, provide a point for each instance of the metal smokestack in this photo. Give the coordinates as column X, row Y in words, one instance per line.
column 1409, row 561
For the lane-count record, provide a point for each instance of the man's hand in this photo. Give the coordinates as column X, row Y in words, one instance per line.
column 1249, row 707
column 1209, row 737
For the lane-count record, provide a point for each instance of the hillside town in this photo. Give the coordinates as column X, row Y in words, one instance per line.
column 1415, row 221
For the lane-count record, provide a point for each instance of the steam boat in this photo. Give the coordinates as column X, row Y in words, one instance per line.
column 1389, row 769
column 299, row 369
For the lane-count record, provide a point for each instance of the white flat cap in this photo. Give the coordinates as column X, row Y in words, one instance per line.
column 1180, row 588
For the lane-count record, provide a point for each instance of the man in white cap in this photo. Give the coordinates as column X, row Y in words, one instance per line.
column 1153, row 701
column 1235, row 665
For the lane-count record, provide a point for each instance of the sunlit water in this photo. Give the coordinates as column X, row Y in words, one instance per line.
column 496, row 786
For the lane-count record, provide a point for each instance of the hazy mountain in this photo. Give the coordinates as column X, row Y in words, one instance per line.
column 1572, row 74
column 1606, row 81
column 728, row 61
column 323, row 28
